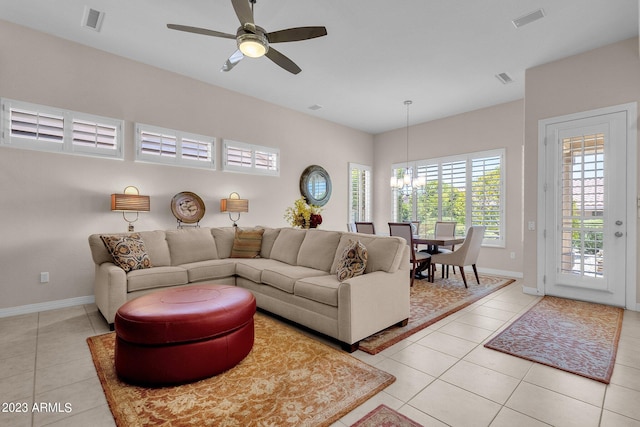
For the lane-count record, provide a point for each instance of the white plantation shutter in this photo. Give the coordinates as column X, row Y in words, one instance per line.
column 468, row 189
column 168, row 146
column 360, row 194
column 38, row 127
column 249, row 158
column 92, row 134
column 486, row 191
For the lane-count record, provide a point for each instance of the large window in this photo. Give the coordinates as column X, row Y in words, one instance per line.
column 167, row 146
column 249, row 158
column 468, row 189
column 38, row 127
column 360, row 193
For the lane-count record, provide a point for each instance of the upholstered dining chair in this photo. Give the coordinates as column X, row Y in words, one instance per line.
column 365, row 228
column 445, row 229
column 466, row 254
column 420, row 260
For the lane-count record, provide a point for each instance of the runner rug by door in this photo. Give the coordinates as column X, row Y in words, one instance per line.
column 431, row 302
column 288, row 379
column 575, row 336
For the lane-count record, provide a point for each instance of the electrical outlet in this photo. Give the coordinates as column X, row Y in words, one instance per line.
column 44, row 277
column 513, row 255
column 531, row 225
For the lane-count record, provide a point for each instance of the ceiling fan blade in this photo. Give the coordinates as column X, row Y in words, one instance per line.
column 282, row 61
column 203, row 31
column 236, row 57
column 243, row 11
column 296, row 34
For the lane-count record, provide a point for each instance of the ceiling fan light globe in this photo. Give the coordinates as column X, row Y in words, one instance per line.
column 253, row 45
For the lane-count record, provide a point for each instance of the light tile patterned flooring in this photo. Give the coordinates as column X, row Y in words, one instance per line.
column 444, row 374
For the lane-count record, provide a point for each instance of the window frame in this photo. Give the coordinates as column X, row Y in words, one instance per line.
column 365, row 205
column 68, row 119
column 428, row 164
column 252, row 149
column 179, row 158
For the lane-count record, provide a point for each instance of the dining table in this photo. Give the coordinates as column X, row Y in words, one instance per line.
column 432, row 243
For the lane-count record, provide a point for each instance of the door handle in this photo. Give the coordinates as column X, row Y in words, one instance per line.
column 618, row 222
column 618, row 234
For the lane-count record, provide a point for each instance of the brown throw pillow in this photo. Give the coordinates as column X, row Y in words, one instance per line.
column 127, row 251
column 353, row 261
column 247, row 243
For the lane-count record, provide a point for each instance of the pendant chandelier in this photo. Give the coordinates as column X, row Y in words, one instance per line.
column 410, row 182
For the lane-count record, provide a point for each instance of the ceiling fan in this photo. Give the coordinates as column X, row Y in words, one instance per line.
column 253, row 41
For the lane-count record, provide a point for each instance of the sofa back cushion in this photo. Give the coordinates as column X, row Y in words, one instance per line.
column 191, row 245
column 287, row 245
column 154, row 242
column 268, row 239
column 224, row 240
column 384, row 252
column 318, row 249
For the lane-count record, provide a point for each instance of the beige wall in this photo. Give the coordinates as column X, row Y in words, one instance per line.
column 599, row 78
column 501, row 126
column 52, row 202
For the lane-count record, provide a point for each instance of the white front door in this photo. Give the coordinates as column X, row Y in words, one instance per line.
column 585, row 219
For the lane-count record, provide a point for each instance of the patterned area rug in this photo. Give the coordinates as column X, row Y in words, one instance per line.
column 431, row 302
column 575, row 336
column 383, row 416
column 288, row 379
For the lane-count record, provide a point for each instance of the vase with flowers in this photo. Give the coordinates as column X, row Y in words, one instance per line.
column 303, row 215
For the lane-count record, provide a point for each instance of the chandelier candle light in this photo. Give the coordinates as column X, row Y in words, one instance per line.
column 408, row 183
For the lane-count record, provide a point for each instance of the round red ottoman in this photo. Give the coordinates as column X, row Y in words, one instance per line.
column 183, row 334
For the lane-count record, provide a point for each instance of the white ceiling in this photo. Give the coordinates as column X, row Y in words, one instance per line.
column 442, row 54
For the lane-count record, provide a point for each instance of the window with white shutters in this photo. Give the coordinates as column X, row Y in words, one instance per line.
column 172, row 147
column 249, row 158
column 38, row 127
column 467, row 189
column 360, row 194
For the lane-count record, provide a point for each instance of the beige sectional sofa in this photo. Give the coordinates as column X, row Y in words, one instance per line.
column 294, row 276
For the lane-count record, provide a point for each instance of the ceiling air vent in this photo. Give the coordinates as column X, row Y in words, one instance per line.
column 315, row 107
column 92, row 18
column 528, row 18
column 504, row 78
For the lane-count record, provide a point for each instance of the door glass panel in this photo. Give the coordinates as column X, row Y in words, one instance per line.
column 582, row 206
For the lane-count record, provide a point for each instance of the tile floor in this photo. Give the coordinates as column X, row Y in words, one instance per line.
column 444, row 374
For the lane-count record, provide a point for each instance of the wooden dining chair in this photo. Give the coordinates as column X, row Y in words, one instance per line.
column 365, row 228
column 466, row 254
column 420, row 260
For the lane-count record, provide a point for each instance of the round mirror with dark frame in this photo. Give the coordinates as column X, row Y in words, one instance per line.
column 315, row 185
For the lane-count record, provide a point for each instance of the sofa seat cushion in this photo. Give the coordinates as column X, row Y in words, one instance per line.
column 210, row 270
column 252, row 269
column 156, row 277
column 284, row 277
column 322, row 289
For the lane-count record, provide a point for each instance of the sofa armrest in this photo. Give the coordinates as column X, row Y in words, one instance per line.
column 110, row 288
column 372, row 302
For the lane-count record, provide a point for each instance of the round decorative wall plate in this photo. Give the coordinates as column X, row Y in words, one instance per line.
column 187, row 207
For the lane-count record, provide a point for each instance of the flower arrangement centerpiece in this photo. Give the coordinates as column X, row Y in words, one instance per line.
column 303, row 215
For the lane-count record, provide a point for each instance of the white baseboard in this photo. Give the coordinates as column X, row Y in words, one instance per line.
column 44, row 306
column 514, row 274
column 531, row 291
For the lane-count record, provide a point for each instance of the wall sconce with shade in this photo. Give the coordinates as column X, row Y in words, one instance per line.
column 410, row 182
column 234, row 204
column 130, row 201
